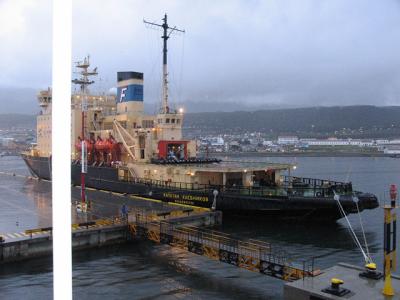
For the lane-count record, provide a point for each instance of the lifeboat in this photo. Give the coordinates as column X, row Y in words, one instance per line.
column 110, row 145
column 104, row 149
column 101, row 145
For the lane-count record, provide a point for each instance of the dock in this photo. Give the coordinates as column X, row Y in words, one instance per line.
column 359, row 288
column 37, row 242
column 187, row 229
column 185, row 238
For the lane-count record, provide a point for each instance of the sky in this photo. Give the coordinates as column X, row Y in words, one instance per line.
column 234, row 54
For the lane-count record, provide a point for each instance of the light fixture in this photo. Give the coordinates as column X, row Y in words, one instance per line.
column 181, row 110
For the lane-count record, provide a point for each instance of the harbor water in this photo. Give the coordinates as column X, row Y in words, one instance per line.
column 128, row 272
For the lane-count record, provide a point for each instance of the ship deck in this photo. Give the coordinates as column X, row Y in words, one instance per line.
column 233, row 167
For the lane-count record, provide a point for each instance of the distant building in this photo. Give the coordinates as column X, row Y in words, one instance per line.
column 7, row 142
column 325, row 142
column 392, row 149
column 216, row 141
column 268, row 143
column 288, row 140
column 395, row 142
column 382, row 142
column 235, row 146
column 365, row 143
column 338, row 142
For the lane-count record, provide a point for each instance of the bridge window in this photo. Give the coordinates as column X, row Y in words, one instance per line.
column 147, row 124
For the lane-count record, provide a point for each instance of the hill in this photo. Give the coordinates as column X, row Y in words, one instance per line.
column 8, row 121
column 356, row 121
column 347, row 121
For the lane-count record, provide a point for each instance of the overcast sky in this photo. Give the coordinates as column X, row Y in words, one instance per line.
column 258, row 53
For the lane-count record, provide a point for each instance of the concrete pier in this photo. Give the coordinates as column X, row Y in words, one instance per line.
column 42, row 244
column 360, row 288
column 35, row 243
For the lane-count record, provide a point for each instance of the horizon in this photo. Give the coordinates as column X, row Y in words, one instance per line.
column 31, row 107
column 148, row 109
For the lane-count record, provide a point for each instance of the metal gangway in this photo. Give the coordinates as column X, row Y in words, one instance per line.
column 253, row 255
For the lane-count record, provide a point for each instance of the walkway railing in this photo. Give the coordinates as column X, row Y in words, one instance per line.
column 252, row 255
column 48, row 231
column 289, row 188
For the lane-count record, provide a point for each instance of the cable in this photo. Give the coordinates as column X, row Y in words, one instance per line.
column 342, row 213
column 362, row 229
column 366, row 258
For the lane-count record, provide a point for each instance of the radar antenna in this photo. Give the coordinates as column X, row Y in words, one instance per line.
column 84, row 81
column 85, row 73
column 167, row 32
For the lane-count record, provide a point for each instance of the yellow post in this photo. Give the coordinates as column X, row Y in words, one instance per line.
column 387, row 288
column 394, row 260
column 389, row 247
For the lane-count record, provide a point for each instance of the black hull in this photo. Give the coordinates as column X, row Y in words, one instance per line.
column 283, row 207
column 39, row 167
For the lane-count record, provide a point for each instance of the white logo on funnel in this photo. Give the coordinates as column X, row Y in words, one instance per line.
column 123, row 90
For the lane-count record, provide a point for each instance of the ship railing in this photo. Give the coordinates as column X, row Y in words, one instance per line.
column 175, row 185
column 295, row 189
column 311, row 182
column 277, row 191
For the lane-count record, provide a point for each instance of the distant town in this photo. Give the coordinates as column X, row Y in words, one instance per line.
column 255, row 142
column 15, row 140
column 365, row 130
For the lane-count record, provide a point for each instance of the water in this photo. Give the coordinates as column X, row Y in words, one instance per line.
column 331, row 243
column 127, row 272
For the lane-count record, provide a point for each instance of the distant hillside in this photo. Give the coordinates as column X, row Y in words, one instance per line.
column 352, row 121
column 8, row 121
column 357, row 121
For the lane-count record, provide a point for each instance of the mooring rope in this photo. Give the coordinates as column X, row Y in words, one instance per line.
column 354, row 236
column 362, row 229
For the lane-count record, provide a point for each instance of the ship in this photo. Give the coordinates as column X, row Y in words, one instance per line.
column 117, row 147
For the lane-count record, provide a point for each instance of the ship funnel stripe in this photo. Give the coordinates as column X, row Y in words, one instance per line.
column 121, row 76
column 129, row 81
column 132, row 92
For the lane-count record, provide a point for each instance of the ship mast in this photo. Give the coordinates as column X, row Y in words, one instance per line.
column 166, row 33
column 84, row 81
